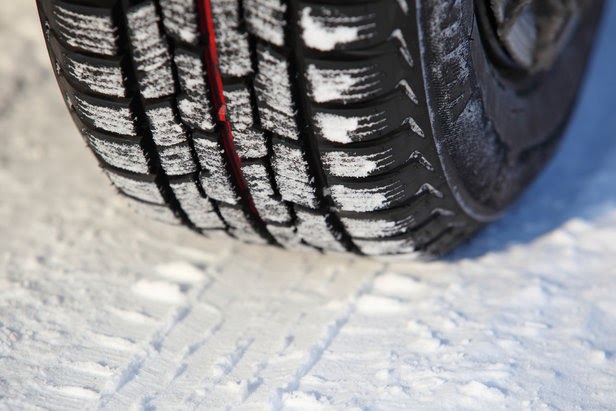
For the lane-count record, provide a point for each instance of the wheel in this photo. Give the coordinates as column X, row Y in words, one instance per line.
column 373, row 127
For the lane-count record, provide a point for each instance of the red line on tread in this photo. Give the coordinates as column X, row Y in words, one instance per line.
column 206, row 26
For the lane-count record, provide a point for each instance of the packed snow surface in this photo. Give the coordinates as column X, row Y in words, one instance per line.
column 100, row 308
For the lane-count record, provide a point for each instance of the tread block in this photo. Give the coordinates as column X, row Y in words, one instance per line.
column 370, row 227
column 384, row 192
column 150, row 54
column 97, row 75
column 348, row 27
column 141, row 187
column 198, row 208
column 345, row 126
column 249, row 142
column 314, row 230
column 181, row 20
column 378, row 158
column 160, row 213
column 215, row 179
column 122, row 153
column 88, row 29
column 353, row 80
column 286, row 236
column 270, row 208
column 231, row 44
column 113, row 117
column 239, row 226
column 194, row 104
column 165, row 127
column 273, row 86
column 292, row 175
column 177, row 160
column 266, row 19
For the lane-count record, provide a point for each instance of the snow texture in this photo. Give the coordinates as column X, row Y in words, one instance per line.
column 292, row 176
column 180, row 19
column 105, row 79
column 198, row 208
column 216, row 180
column 118, row 120
column 327, row 31
column 92, row 33
column 349, row 164
column 344, row 130
column 142, row 190
column 124, row 155
column 274, row 94
column 231, row 44
column 103, row 309
column 266, row 19
column 345, row 85
column 249, row 142
column 152, row 58
column 194, row 105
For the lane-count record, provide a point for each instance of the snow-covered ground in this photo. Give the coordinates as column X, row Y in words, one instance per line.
column 99, row 308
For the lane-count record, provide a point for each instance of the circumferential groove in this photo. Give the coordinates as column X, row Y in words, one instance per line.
column 220, row 115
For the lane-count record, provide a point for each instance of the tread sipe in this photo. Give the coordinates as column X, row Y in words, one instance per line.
column 291, row 123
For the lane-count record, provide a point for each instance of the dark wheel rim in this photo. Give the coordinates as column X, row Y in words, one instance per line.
column 528, row 35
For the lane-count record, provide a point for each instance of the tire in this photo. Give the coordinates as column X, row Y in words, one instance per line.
column 372, row 127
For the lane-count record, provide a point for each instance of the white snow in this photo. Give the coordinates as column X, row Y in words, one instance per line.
column 117, row 120
column 88, row 32
column 103, row 309
column 127, row 156
column 328, row 31
column 104, row 79
column 342, row 84
column 151, row 57
column 180, row 19
column 344, row 129
column 265, row 19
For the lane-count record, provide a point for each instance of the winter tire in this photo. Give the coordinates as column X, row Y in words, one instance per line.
column 367, row 126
